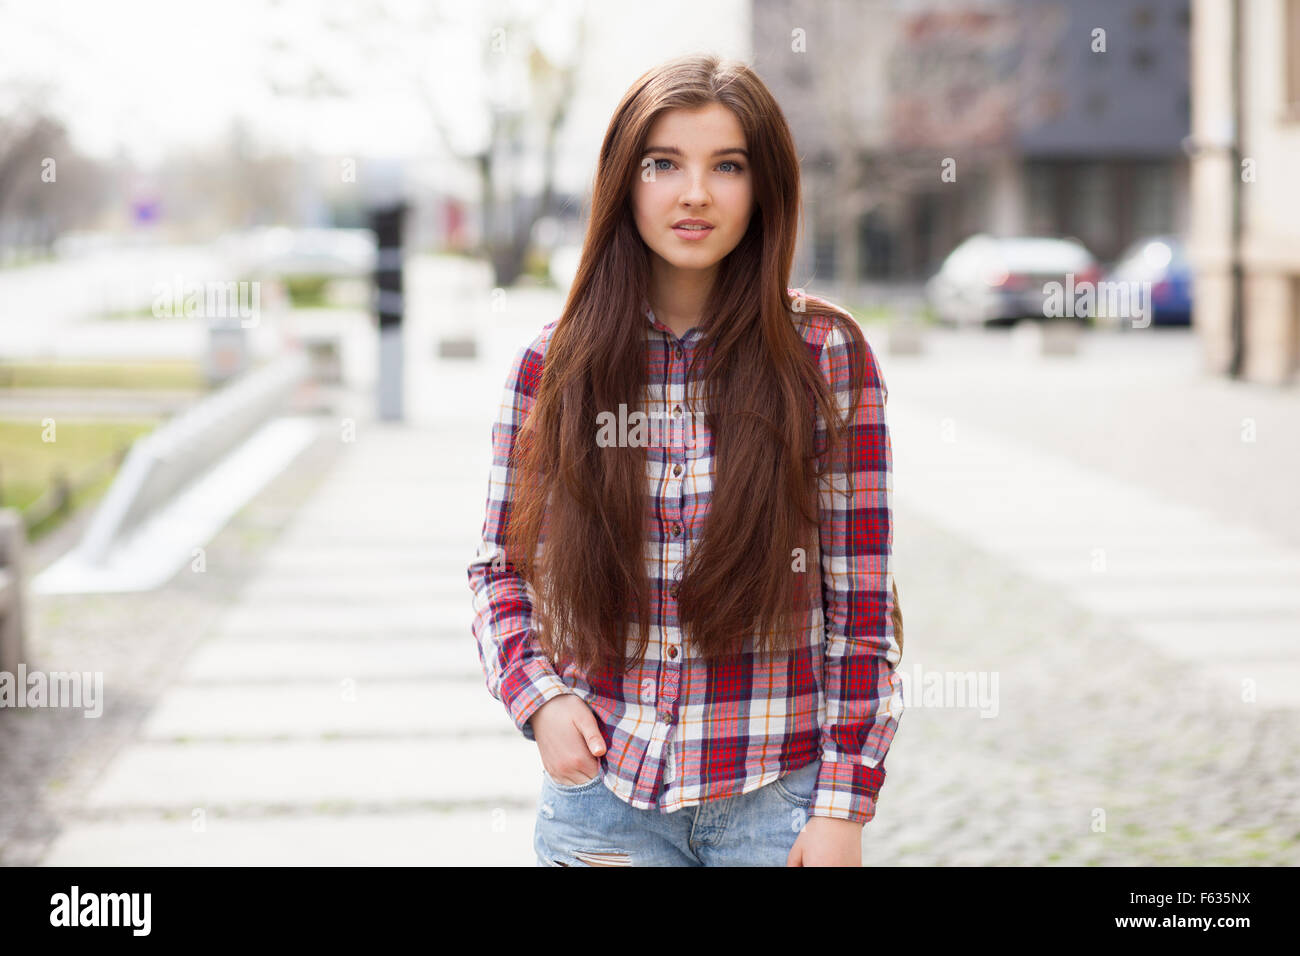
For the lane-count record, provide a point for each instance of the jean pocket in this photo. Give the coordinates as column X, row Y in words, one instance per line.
column 572, row 787
column 797, row 786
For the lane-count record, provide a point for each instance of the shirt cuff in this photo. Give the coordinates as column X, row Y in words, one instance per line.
column 846, row 790
column 528, row 685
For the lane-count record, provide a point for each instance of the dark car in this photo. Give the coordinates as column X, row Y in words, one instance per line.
column 1161, row 262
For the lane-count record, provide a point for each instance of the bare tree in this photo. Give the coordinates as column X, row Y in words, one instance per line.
column 529, row 101
column 46, row 186
column 890, row 90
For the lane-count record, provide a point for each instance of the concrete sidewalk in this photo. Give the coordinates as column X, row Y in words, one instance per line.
column 1154, row 494
column 338, row 714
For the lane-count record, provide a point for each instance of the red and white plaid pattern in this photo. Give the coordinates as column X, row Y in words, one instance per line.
column 680, row 731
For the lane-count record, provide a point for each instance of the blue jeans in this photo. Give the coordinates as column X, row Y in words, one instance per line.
column 588, row 825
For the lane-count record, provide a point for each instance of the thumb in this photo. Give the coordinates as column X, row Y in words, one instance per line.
column 589, row 730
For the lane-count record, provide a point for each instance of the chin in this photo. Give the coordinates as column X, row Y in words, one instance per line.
column 694, row 263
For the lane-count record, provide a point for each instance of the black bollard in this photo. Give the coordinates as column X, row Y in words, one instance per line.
column 387, row 223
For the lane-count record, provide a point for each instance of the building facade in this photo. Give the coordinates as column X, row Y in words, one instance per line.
column 1051, row 127
column 1245, row 239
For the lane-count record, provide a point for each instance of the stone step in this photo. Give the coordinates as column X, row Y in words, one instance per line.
column 428, row 558
column 1199, row 587
column 306, row 618
column 1245, row 640
column 491, row 770
column 394, row 586
column 1237, row 599
column 306, row 659
column 348, row 705
column 1270, row 684
column 480, row 836
column 1158, row 566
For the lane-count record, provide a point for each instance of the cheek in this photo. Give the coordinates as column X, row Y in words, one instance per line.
column 740, row 201
column 647, row 205
column 649, row 196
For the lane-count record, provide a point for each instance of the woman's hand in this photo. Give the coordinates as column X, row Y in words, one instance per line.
column 568, row 739
column 827, row 841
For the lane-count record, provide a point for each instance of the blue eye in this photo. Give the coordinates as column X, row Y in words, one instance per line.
column 738, row 168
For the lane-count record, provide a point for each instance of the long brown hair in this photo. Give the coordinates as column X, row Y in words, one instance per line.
column 587, row 504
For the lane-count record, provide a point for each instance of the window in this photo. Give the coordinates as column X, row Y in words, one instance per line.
column 1092, row 213
column 1143, row 59
column 1041, row 188
column 1051, row 104
column 1153, row 199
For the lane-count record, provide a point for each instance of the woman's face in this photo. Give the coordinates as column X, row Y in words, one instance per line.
column 695, row 166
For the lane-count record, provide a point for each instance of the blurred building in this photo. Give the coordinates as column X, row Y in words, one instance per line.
column 1245, row 199
column 1049, row 127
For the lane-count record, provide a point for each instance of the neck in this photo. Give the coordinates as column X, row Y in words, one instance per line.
column 678, row 296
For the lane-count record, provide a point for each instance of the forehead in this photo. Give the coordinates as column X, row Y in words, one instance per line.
column 706, row 128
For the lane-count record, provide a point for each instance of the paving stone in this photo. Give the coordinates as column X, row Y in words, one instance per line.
column 485, row 836
column 308, row 618
column 385, row 770
column 1119, row 692
column 346, row 706
column 306, row 658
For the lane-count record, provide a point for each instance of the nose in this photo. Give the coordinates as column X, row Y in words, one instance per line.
column 695, row 193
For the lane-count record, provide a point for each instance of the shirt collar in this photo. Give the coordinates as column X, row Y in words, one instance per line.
column 691, row 333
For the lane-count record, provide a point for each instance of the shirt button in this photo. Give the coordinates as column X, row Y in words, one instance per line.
column 677, row 411
column 672, row 652
column 673, row 590
column 666, row 718
column 677, row 529
column 679, row 351
column 677, row 470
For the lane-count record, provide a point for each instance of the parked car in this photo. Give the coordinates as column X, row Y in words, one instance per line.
column 284, row 251
column 1161, row 261
column 989, row 279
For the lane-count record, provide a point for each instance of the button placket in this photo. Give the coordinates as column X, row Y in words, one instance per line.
column 671, row 668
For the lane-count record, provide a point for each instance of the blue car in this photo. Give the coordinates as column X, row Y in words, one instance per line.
column 1161, row 261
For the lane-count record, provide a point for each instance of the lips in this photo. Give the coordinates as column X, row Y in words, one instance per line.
column 692, row 229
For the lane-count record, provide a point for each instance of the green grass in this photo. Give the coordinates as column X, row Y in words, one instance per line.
column 31, row 463
column 23, row 259
column 142, row 312
column 307, row 292
column 178, row 374
column 885, row 315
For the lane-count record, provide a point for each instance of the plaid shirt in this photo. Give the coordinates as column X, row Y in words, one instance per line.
column 679, row 730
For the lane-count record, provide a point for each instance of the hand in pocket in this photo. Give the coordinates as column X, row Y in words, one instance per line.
column 568, row 739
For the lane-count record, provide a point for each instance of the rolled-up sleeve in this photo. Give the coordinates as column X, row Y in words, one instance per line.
column 862, row 646
column 517, row 670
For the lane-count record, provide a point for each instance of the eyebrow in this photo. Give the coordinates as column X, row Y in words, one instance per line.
column 674, row 151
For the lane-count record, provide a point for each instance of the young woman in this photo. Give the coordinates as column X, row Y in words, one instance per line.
column 684, row 593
